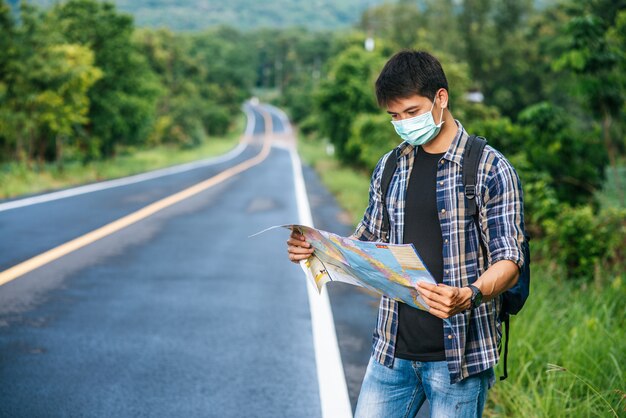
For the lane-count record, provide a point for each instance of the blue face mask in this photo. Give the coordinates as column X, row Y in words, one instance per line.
column 420, row 129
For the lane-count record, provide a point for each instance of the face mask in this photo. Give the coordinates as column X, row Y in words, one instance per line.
column 420, row 129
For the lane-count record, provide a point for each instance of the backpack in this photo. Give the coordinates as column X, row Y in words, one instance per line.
column 512, row 299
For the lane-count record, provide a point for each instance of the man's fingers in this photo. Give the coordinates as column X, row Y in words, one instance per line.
column 293, row 249
column 440, row 289
column 298, row 243
column 426, row 293
column 442, row 306
column 439, row 314
column 434, row 303
column 296, row 235
column 296, row 258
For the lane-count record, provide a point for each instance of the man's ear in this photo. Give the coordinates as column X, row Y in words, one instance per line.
column 442, row 95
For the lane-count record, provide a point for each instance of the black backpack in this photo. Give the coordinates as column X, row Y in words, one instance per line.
column 513, row 299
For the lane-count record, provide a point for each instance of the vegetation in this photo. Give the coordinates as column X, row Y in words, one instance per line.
column 554, row 90
column 80, row 86
column 17, row 179
column 245, row 14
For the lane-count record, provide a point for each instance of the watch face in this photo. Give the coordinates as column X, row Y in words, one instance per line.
column 477, row 296
column 478, row 299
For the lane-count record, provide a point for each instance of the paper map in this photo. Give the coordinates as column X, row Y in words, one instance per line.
column 389, row 269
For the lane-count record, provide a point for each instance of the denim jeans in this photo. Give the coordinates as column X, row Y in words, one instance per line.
column 400, row 391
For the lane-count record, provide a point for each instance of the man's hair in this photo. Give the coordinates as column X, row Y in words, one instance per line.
column 408, row 73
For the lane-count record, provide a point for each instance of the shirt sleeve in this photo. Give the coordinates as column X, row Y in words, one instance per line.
column 503, row 208
column 369, row 227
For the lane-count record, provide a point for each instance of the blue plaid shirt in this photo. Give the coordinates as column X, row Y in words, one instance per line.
column 471, row 338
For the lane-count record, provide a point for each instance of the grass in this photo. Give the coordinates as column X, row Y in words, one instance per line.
column 567, row 354
column 18, row 179
column 349, row 186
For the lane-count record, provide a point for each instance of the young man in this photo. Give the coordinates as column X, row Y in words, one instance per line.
column 416, row 354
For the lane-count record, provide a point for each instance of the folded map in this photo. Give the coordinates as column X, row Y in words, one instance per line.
column 389, row 269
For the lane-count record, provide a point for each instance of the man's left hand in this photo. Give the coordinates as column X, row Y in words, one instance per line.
column 445, row 301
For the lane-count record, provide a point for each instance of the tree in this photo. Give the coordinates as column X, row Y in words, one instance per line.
column 68, row 74
column 123, row 101
column 347, row 92
column 598, row 62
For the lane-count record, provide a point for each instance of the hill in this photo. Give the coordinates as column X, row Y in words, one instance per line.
column 190, row 15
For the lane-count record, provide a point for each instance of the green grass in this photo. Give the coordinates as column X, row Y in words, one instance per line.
column 349, row 186
column 579, row 329
column 567, row 354
column 19, row 179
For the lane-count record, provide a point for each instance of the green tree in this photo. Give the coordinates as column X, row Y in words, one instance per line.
column 68, row 74
column 598, row 62
column 123, row 101
column 574, row 160
column 347, row 92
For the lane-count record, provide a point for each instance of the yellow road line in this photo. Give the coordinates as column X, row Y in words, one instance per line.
column 84, row 240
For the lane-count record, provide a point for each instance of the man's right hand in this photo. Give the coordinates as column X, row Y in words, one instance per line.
column 298, row 248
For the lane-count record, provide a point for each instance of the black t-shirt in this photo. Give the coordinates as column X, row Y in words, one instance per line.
column 420, row 334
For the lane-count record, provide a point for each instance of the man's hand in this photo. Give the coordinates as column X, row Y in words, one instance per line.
column 297, row 247
column 445, row 301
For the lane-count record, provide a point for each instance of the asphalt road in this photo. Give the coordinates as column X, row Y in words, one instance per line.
column 179, row 314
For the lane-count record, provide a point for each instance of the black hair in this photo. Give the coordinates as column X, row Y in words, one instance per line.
column 407, row 73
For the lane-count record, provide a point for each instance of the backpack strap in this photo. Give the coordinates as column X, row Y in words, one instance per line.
column 471, row 161
column 507, row 329
column 471, row 164
column 389, row 170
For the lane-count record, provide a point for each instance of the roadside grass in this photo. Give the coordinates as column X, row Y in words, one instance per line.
column 18, row 179
column 567, row 354
column 349, row 186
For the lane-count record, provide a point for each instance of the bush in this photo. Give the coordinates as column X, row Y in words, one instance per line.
column 573, row 155
column 371, row 137
column 502, row 134
column 540, row 199
column 587, row 244
column 345, row 93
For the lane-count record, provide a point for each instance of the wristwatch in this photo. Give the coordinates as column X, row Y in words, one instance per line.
column 477, row 296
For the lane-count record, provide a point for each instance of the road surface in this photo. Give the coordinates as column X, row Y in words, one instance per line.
column 176, row 313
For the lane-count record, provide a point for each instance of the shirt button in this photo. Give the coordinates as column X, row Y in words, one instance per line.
column 443, row 211
column 445, row 241
column 450, row 337
column 441, row 183
column 447, row 271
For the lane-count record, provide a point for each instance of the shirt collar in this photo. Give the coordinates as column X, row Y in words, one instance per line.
column 454, row 153
column 457, row 147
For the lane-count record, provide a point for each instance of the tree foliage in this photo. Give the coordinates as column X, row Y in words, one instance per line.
column 78, row 81
column 349, row 86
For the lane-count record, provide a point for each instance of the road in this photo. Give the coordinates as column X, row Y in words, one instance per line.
column 177, row 313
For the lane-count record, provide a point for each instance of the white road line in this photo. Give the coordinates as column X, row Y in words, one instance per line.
column 250, row 116
column 330, row 376
column 281, row 115
column 124, row 181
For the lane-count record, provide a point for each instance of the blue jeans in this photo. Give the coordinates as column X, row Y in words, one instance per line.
column 400, row 391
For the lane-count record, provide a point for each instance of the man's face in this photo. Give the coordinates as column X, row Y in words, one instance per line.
column 409, row 107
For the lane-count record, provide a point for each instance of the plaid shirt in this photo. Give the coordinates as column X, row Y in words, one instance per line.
column 471, row 338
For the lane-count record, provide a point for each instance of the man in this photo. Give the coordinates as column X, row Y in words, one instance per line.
column 416, row 354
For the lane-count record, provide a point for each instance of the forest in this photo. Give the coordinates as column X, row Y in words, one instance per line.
column 80, row 81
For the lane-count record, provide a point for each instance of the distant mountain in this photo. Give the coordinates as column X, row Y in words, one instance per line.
column 191, row 15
